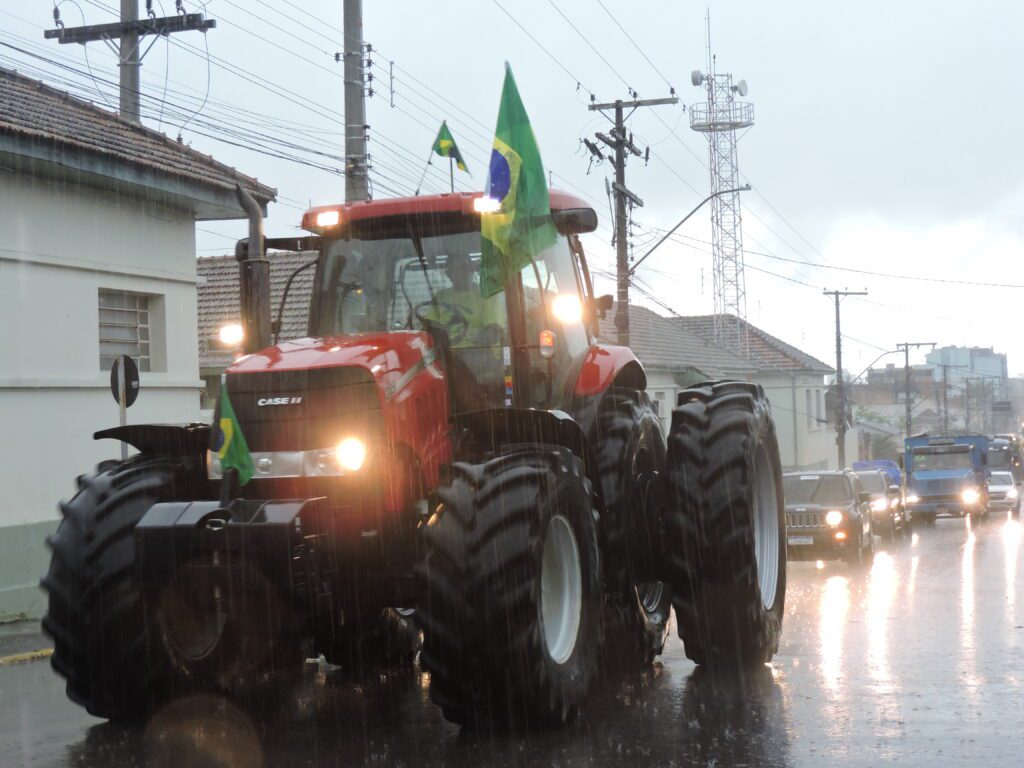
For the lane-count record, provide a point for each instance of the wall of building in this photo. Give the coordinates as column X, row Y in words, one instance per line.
column 62, row 245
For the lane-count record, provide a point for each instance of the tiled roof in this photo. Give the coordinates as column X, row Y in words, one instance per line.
column 660, row 344
column 218, row 299
column 31, row 109
column 766, row 351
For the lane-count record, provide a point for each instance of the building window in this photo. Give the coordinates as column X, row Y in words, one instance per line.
column 817, row 407
column 807, row 409
column 659, row 400
column 124, row 328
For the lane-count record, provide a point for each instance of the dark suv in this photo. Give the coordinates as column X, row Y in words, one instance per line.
column 828, row 517
column 888, row 513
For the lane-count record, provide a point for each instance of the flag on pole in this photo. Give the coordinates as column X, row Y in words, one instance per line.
column 521, row 225
column 229, row 442
column 444, row 145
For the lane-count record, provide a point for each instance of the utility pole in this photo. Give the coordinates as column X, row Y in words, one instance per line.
column 130, row 32
column 622, row 143
column 945, row 399
column 356, row 163
column 967, row 403
column 840, row 391
column 905, row 346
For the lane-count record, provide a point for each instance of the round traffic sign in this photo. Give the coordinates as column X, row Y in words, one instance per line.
column 131, row 380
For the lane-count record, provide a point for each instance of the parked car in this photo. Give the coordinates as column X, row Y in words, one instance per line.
column 888, row 512
column 1003, row 494
column 828, row 517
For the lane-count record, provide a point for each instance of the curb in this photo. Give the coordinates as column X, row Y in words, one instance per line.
column 22, row 658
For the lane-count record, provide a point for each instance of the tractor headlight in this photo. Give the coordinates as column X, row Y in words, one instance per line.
column 913, row 498
column 970, row 496
column 567, row 309
column 231, row 334
column 833, row 517
column 1012, row 493
column 351, row 454
column 878, row 505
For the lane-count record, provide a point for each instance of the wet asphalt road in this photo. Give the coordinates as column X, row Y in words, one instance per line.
column 919, row 659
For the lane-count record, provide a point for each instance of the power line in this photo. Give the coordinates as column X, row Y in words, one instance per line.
column 592, row 47
column 638, row 48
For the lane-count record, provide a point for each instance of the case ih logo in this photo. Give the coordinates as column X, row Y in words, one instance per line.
column 278, row 401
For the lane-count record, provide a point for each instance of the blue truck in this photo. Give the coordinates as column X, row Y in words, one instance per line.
column 946, row 475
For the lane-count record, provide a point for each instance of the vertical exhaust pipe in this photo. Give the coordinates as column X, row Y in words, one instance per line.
column 254, row 278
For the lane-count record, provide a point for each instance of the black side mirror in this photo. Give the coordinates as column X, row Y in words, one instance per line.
column 602, row 304
column 865, row 497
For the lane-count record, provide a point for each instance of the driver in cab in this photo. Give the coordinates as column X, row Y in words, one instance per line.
column 470, row 319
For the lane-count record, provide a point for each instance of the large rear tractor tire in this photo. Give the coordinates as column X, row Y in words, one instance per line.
column 629, row 450
column 511, row 611
column 95, row 613
column 725, row 525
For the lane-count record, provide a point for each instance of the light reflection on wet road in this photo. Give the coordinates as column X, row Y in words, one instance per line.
column 918, row 659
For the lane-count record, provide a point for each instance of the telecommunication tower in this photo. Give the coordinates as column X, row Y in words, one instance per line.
column 719, row 118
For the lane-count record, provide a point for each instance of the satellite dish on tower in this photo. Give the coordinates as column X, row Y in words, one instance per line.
column 741, row 87
column 696, row 77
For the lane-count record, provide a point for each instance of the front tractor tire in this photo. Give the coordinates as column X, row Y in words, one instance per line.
column 725, row 525
column 95, row 613
column 629, row 449
column 511, row 610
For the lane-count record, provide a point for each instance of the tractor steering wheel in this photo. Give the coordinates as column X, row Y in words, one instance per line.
column 456, row 327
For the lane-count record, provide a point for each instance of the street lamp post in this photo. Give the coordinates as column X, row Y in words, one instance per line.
column 667, row 235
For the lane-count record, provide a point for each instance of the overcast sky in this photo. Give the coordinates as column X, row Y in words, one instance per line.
column 886, row 134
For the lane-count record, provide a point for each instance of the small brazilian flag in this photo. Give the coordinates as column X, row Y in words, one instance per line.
column 444, row 145
column 522, row 226
column 229, row 442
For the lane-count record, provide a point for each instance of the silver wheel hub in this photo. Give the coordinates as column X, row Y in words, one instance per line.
column 766, row 528
column 561, row 590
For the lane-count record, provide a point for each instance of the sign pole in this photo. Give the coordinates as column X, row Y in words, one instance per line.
column 122, row 404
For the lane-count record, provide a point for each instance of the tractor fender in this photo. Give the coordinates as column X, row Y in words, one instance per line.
column 165, row 439
column 504, row 426
column 604, row 365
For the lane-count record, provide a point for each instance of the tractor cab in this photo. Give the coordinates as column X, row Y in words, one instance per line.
column 416, row 268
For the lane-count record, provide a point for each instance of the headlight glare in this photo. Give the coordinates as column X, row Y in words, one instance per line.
column 1012, row 493
column 833, row 517
column 970, row 495
column 913, row 498
column 878, row 505
column 351, row 453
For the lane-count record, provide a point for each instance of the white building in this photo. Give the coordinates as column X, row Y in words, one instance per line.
column 98, row 259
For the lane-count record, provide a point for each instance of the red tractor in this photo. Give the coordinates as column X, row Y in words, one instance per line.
column 482, row 463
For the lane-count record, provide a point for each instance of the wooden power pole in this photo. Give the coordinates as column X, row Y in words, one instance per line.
column 621, row 143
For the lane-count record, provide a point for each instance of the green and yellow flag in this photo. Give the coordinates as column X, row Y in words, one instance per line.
column 230, row 444
column 444, row 145
column 521, row 226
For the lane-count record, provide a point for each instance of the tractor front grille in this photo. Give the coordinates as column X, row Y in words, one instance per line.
column 304, row 410
column 805, row 519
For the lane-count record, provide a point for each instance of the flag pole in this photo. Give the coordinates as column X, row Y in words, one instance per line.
column 451, row 171
column 423, row 175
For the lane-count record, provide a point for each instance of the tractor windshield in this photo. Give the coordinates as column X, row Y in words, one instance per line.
column 429, row 280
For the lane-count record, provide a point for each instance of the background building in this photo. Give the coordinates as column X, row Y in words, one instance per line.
column 98, row 260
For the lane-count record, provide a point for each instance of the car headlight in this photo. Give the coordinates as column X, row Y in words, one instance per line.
column 833, row 517
column 878, row 505
column 1012, row 493
column 913, row 498
column 351, row 453
column 894, row 503
column 970, row 495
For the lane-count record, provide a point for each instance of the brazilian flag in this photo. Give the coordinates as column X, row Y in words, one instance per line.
column 444, row 145
column 229, row 442
column 521, row 226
